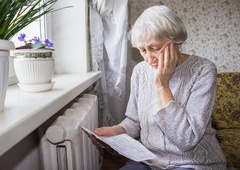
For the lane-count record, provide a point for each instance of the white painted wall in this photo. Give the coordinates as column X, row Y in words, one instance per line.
column 69, row 34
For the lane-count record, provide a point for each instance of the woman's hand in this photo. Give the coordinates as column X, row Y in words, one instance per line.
column 167, row 62
column 109, row 130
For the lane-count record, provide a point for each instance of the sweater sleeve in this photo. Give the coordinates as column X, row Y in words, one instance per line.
column 185, row 127
column 131, row 122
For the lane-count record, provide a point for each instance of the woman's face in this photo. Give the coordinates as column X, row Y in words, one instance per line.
column 151, row 49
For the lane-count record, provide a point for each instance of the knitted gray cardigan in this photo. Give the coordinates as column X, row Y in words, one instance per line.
column 179, row 134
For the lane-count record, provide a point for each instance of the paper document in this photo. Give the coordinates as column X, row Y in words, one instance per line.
column 126, row 146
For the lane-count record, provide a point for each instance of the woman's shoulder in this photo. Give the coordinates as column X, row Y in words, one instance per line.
column 204, row 61
column 197, row 63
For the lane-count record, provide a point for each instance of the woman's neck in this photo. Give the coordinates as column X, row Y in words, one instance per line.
column 182, row 58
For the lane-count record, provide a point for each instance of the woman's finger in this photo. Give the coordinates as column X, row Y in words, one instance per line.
column 167, row 59
column 160, row 62
column 171, row 58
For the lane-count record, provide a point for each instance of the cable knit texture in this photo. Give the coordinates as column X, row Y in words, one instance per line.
column 181, row 133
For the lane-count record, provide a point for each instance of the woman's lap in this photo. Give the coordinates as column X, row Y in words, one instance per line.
column 132, row 165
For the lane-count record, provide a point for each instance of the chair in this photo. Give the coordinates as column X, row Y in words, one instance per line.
column 226, row 116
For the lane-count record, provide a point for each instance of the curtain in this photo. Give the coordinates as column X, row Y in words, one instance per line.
column 110, row 55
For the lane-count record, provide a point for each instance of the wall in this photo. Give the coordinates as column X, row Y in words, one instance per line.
column 213, row 28
column 69, row 34
column 25, row 155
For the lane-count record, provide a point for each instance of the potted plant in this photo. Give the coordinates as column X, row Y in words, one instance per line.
column 34, row 64
column 5, row 46
column 15, row 15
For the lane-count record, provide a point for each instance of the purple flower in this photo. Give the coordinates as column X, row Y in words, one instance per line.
column 22, row 37
column 35, row 42
column 48, row 42
column 36, row 39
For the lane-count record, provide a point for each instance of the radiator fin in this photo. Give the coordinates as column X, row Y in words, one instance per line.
column 64, row 146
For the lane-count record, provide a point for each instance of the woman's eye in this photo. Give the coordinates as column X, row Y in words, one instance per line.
column 143, row 50
column 155, row 49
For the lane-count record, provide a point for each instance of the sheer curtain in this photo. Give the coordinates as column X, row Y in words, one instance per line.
column 110, row 55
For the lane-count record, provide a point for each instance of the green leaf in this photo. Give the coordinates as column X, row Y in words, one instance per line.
column 37, row 45
column 17, row 14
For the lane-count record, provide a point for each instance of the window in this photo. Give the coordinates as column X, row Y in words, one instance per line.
column 68, row 29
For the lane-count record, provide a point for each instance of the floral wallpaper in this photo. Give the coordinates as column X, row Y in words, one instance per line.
column 213, row 28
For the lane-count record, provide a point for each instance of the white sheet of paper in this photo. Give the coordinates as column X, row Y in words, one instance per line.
column 126, row 146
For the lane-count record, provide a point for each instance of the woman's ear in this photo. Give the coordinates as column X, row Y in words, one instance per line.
column 178, row 46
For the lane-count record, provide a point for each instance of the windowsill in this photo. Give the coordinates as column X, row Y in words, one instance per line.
column 24, row 112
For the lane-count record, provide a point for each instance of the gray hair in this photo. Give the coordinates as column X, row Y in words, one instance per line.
column 158, row 22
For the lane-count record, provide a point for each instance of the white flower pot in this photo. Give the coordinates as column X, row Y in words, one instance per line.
column 34, row 71
column 34, row 74
column 5, row 46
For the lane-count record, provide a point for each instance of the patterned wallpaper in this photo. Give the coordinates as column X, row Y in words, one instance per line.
column 213, row 28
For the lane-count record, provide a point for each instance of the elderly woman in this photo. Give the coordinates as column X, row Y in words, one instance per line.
column 172, row 98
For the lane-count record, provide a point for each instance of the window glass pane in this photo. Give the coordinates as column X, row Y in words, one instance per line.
column 36, row 28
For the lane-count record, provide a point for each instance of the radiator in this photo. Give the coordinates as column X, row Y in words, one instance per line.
column 65, row 146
